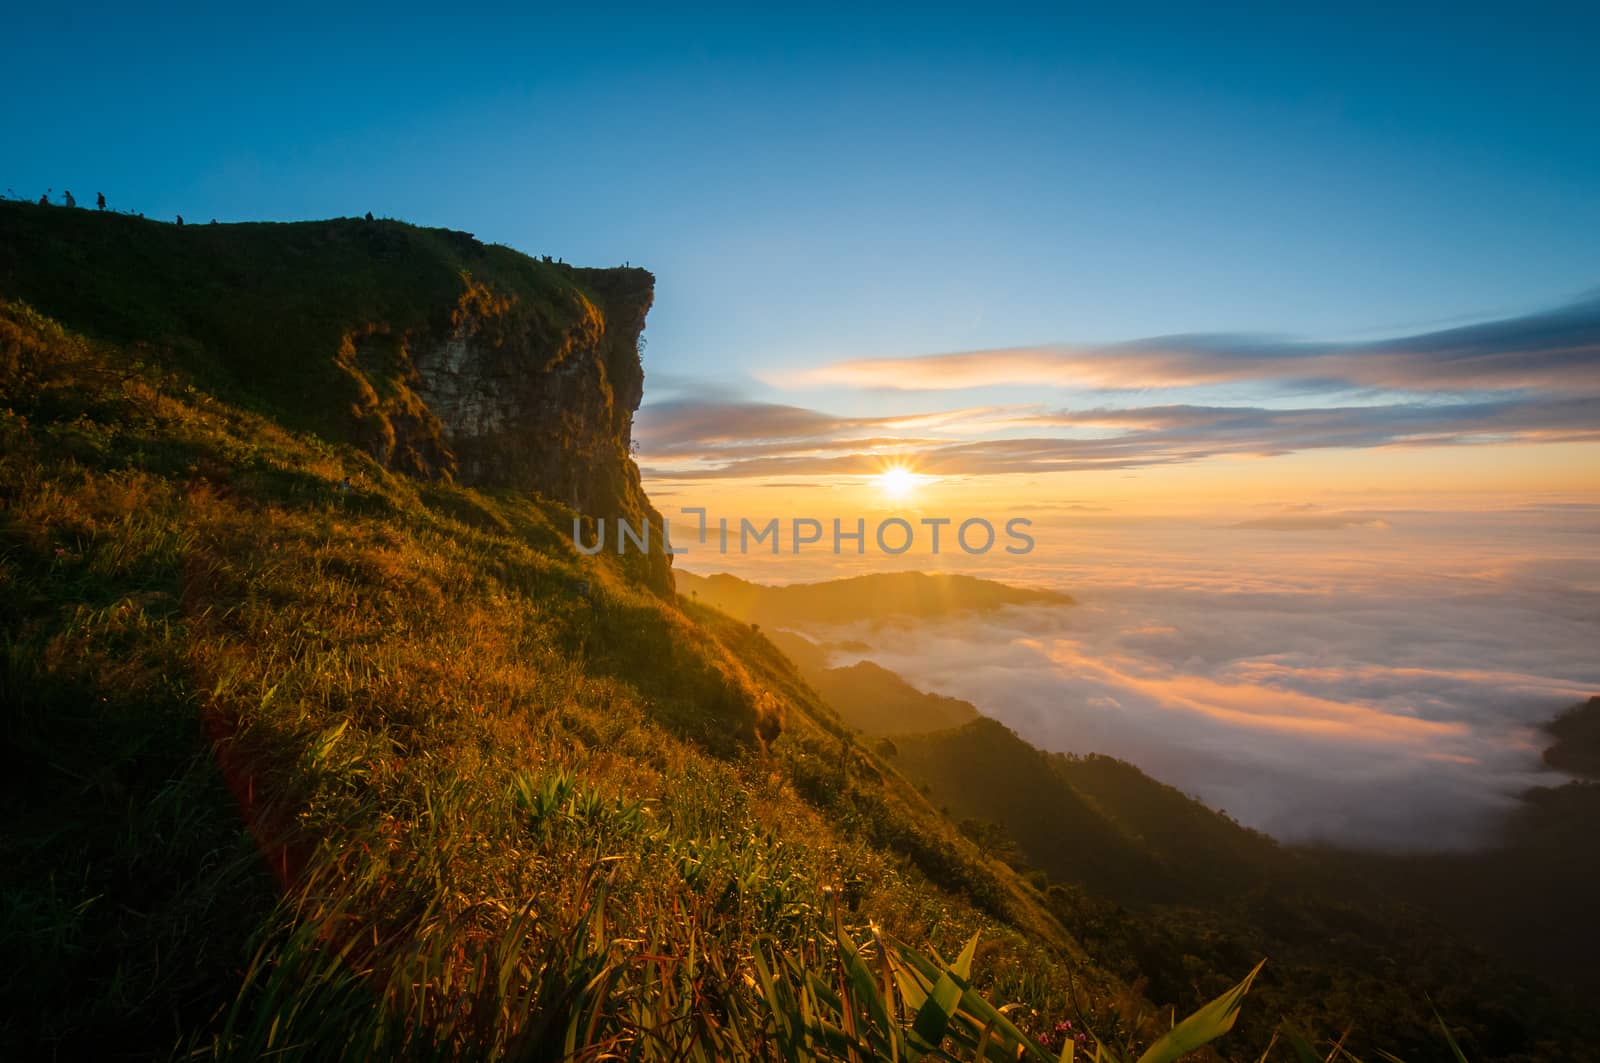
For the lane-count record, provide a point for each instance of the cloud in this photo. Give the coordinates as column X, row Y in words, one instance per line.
column 1552, row 351
column 692, row 425
column 720, row 439
column 1302, row 521
column 1382, row 694
column 1534, row 378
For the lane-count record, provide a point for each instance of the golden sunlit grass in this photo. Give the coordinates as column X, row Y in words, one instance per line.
column 393, row 773
column 500, row 799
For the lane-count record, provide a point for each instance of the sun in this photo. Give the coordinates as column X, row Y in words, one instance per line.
column 897, row 481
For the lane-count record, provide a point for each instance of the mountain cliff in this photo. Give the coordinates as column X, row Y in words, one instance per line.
column 442, row 357
column 325, row 742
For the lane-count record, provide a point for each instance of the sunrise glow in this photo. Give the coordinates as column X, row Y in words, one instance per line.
column 585, row 533
column 897, row 481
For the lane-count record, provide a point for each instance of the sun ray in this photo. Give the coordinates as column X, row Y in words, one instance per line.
column 897, row 481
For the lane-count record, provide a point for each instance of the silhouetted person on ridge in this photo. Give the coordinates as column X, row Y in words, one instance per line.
column 180, row 221
column 44, row 200
column 66, row 197
column 99, row 201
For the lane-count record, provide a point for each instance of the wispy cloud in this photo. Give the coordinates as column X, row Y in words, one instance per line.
column 1554, row 350
column 699, row 426
column 1534, row 378
column 718, row 440
column 1380, row 692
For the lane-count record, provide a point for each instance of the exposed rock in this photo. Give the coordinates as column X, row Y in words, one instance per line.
column 441, row 356
column 532, row 398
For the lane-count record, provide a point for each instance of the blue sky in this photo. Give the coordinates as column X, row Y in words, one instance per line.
column 844, row 186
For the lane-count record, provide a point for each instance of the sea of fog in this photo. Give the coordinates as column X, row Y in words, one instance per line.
column 1370, row 678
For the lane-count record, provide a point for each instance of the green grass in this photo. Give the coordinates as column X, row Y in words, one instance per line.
column 325, row 773
column 395, row 772
column 256, row 312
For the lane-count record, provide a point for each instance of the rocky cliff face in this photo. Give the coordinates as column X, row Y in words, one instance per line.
column 441, row 356
column 517, row 396
column 535, row 403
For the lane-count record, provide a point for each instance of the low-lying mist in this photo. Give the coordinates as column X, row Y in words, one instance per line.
column 1376, row 681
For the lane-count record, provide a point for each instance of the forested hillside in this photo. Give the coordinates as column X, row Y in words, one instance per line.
column 1172, row 894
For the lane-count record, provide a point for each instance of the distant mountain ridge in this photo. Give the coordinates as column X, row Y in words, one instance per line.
column 1150, row 841
column 1141, row 872
column 868, row 696
column 1530, row 895
column 1577, row 740
column 880, row 595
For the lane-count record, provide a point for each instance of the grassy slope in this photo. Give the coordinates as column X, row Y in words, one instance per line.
column 452, row 761
column 1168, row 891
column 1059, row 809
column 484, row 808
column 1150, row 842
column 318, row 324
column 256, row 311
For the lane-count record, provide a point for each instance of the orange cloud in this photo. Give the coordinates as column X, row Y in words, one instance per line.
column 1261, row 708
column 1554, row 351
